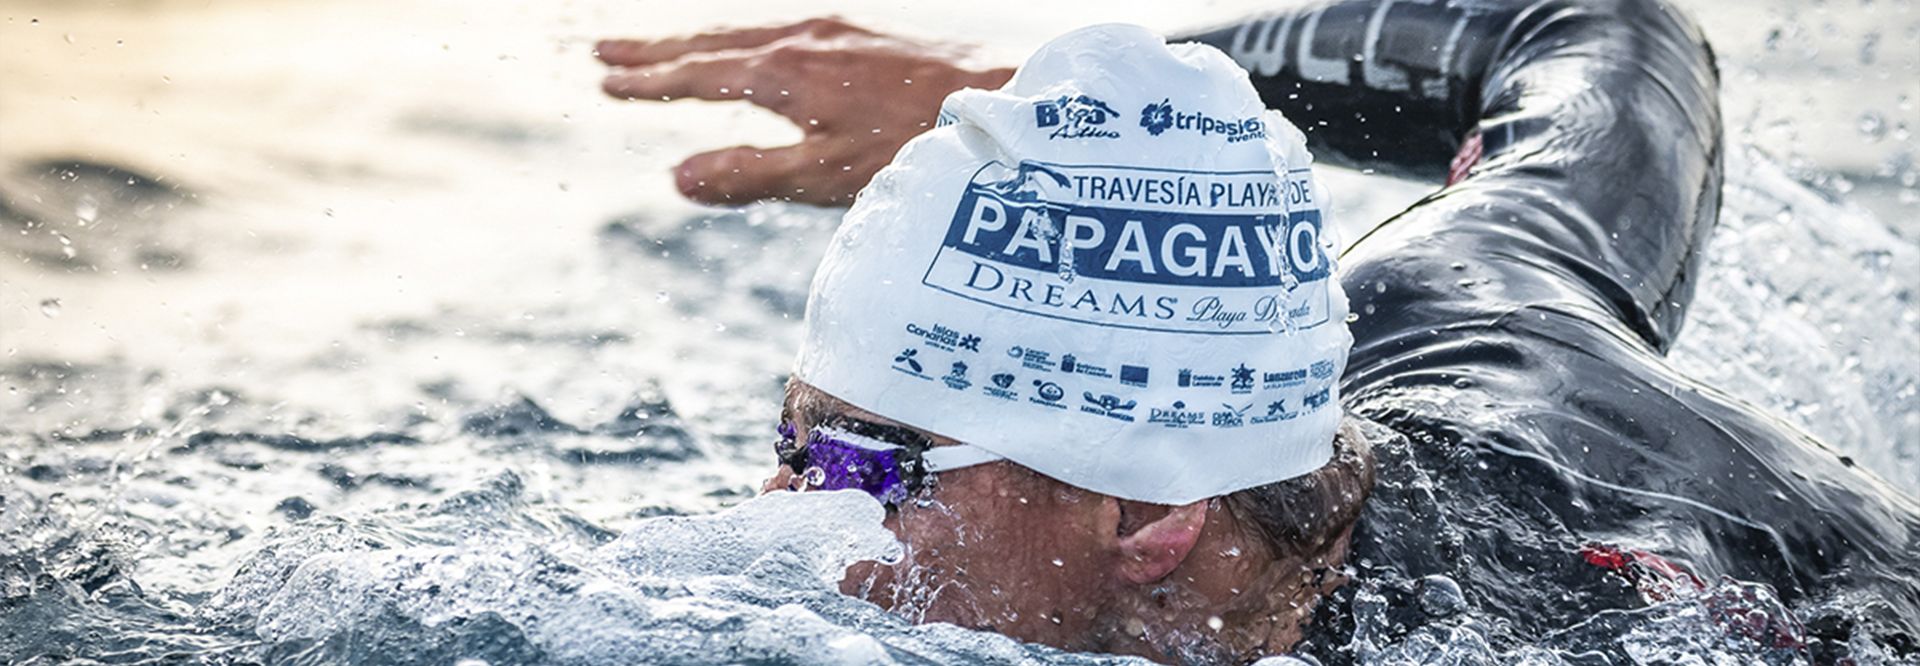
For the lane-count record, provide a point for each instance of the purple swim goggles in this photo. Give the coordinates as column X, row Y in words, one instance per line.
column 890, row 463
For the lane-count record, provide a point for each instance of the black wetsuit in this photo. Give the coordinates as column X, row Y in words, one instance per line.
column 1513, row 325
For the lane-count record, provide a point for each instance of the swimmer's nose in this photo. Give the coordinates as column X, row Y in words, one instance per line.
column 782, row 480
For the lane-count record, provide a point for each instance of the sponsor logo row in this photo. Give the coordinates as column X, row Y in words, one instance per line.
column 1239, row 379
column 1086, row 117
column 1043, row 385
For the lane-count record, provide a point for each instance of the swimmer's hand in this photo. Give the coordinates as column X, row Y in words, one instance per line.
column 859, row 96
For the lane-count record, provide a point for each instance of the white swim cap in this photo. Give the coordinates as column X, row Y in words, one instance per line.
column 1114, row 270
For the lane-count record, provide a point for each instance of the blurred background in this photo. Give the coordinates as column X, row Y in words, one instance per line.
column 264, row 259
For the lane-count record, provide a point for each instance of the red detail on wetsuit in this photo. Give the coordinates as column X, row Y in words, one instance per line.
column 1469, row 155
column 1740, row 609
column 1654, row 576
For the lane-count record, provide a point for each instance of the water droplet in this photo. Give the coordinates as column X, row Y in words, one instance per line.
column 1214, row 623
column 1873, row 126
column 50, row 307
column 662, row 297
column 1440, row 596
column 1058, row 563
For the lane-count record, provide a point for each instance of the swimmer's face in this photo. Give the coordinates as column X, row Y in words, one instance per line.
column 994, row 547
column 999, row 547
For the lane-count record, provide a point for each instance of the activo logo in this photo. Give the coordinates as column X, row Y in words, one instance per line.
column 1158, row 117
column 1074, row 117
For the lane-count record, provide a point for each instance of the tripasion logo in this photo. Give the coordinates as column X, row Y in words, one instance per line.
column 1158, row 117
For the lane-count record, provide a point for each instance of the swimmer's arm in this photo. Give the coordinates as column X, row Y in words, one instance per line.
column 1591, row 129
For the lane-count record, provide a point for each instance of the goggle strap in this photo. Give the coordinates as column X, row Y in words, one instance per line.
column 937, row 459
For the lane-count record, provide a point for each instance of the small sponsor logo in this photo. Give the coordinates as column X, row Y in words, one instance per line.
column 1276, row 411
column 908, row 361
column 1242, row 379
column 1133, row 375
column 956, row 378
column 1032, row 359
column 1074, row 117
column 944, row 339
column 1321, row 369
column 1231, row 416
column 1272, row 380
column 1316, row 400
column 1191, row 379
column 1158, row 117
column 1177, row 416
column 1108, row 405
column 1048, row 394
column 1000, row 385
column 1073, row 365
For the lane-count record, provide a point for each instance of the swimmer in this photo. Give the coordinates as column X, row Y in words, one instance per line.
column 1508, row 337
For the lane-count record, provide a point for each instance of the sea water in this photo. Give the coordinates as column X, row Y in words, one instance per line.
column 328, row 339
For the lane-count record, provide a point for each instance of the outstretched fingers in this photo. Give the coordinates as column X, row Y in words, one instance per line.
column 718, row 78
column 747, row 173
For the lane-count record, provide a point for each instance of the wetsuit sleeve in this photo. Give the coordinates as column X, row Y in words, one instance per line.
column 1592, row 130
column 1514, row 323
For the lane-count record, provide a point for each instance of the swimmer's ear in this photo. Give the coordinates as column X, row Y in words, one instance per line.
column 1154, row 539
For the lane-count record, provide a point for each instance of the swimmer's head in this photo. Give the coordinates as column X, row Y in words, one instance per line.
column 1000, row 547
column 1107, row 289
